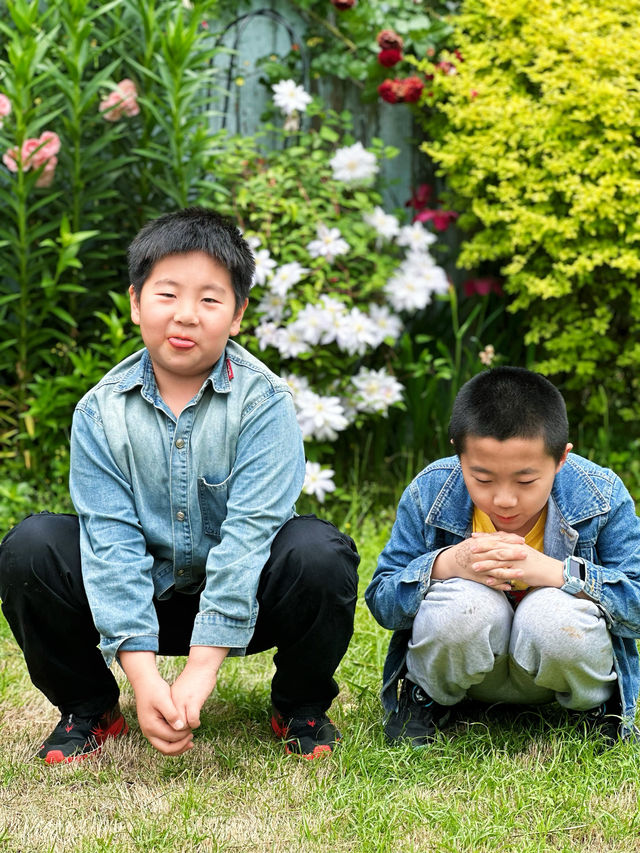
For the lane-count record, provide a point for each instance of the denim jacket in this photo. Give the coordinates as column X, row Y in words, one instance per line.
column 590, row 514
column 189, row 503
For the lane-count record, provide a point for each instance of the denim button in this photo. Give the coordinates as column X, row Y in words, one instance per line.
column 180, row 443
column 180, row 515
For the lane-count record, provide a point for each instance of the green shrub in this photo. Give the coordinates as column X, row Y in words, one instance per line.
column 535, row 129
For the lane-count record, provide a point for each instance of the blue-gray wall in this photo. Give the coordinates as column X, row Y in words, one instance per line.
column 271, row 27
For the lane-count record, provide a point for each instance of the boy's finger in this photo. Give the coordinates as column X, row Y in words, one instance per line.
column 167, row 747
column 499, row 534
column 172, row 715
column 193, row 718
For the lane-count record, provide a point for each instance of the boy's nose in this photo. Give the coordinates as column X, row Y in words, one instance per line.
column 505, row 499
column 185, row 315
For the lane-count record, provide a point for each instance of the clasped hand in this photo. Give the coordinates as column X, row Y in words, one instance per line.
column 495, row 559
column 168, row 714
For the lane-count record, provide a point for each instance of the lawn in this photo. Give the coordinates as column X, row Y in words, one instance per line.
column 524, row 782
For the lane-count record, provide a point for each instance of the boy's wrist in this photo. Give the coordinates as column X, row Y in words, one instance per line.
column 444, row 565
column 138, row 666
column 207, row 657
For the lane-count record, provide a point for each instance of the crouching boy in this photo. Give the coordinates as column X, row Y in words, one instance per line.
column 186, row 462
column 512, row 573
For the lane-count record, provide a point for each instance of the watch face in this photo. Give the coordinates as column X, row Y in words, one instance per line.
column 574, row 569
column 577, row 569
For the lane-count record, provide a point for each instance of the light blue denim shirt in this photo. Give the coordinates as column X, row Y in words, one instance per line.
column 189, row 503
column 590, row 514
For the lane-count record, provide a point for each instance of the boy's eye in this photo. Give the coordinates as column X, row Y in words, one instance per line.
column 168, row 295
column 482, row 482
column 525, row 482
column 210, row 300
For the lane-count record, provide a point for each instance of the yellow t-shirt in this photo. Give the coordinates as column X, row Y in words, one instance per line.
column 534, row 538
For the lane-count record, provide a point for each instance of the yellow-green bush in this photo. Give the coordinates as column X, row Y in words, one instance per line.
column 537, row 133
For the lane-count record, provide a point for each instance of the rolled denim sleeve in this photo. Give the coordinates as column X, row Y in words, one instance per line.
column 403, row 574
column 266, row 480
column 614, row 582
column 116, row 565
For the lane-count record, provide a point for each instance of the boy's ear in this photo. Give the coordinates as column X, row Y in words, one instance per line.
column 563, row 458
column 135, row 305
column 237, row 320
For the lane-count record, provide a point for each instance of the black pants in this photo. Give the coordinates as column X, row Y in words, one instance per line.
column 307, row 596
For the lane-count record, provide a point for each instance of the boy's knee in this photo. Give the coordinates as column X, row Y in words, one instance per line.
column 316, row 553
column 460, row 612
column 554, row 625
column 28, row 546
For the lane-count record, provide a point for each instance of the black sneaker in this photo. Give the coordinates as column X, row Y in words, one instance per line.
column 75, row 738
column 308, row 734
column 417, row 717
column 605, row 720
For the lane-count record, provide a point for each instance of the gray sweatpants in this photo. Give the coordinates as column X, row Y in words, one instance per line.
column 467, row 641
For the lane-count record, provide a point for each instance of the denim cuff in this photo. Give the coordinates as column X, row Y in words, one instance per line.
column 212, row 629
column 111, row 646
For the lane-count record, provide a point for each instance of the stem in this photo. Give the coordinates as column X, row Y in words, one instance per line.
column 331, row 27
column 76, row 178
column 22, row 253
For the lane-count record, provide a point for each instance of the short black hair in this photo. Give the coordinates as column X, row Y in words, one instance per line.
column 193, row 229
column 510, row 402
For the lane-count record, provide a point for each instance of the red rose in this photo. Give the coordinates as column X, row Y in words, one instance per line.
column 343, row 5
column 405, row 90
column 388, row 91
column 411, row 89
column 389, row 57
column 390, row 40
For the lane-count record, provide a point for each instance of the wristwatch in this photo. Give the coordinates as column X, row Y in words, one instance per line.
column 574, row 574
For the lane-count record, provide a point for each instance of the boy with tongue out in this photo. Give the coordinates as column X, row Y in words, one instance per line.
column 186, row 462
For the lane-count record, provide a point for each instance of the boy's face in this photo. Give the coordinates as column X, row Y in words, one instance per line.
column 510, row 480
column 186, row 313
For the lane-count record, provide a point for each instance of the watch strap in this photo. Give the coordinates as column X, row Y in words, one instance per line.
column 573, row 575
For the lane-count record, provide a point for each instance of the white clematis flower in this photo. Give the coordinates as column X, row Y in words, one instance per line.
column 354, row 164
column 290, row 97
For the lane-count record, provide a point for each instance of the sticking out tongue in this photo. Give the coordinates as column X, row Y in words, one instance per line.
column 181, row 343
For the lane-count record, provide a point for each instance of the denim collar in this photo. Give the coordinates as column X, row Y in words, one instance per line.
column 142, row 374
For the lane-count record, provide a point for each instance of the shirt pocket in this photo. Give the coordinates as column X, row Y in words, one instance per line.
column 212, row 498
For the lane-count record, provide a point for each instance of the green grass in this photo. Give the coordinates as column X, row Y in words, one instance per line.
column 523, row 783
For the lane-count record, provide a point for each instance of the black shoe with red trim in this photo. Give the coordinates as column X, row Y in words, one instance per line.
column 308, row 733
column 75, row 737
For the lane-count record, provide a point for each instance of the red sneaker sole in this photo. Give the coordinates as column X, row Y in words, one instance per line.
column 116, row 729
column 319, row 751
